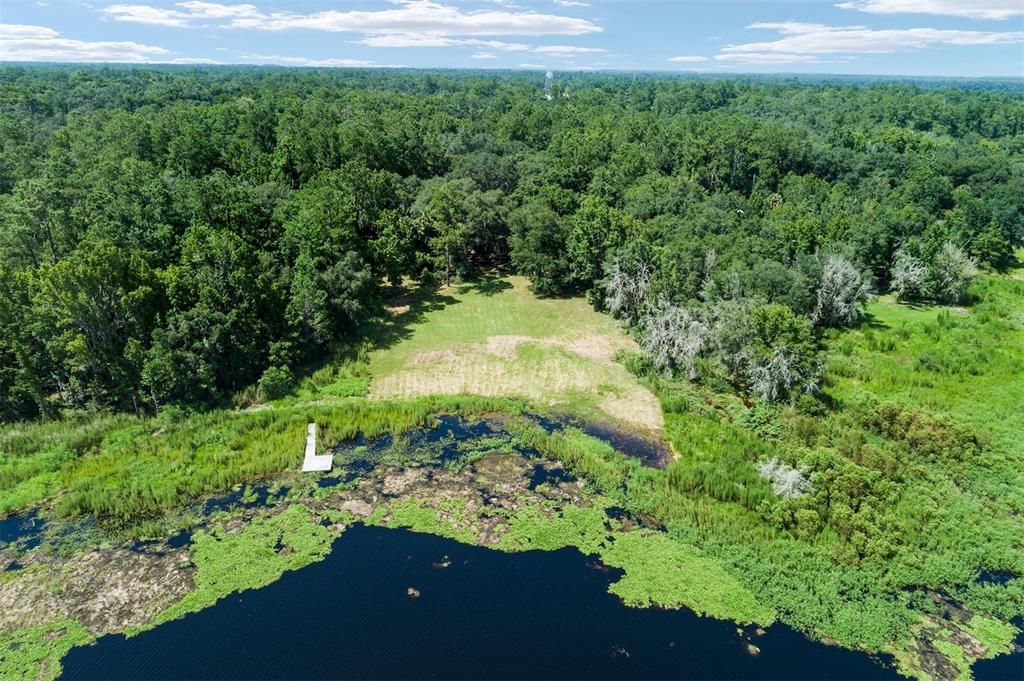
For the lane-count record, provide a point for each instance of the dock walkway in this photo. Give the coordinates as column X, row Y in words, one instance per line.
column 311, row 462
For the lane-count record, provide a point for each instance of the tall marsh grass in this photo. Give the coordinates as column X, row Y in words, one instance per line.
column 127, row 470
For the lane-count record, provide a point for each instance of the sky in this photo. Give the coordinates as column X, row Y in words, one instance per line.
column 886, row 37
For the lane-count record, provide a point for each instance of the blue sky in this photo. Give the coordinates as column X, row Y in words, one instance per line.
column 906, row 37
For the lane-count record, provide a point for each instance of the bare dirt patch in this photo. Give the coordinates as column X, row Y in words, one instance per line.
column 598, row 347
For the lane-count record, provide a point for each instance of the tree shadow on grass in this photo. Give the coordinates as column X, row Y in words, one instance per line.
column 487, row 285
column 404, row 307
column 870, row 321
column 407, row 305
column 400, row 308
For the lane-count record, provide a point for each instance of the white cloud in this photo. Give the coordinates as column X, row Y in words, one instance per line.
column 415, row 40
column 571, row 3
column 687, row 58
column 409, row 40
column 144, row 14
column 193, row 60
column 769, row 58
column 569, row 66
column 305, row 61
column 409, row 17
column 22, row 42
column 420, row 40
column 409, row 24
column 194, row 13
column 803, row 39
column 485, row 55
column 566, row 50
column 424, row 17
column 26, row 32
column 531, row 67
column 971, row 9
column 216, row 10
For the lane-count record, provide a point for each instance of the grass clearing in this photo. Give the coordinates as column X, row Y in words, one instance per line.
column 967, row 366
column 499, row 339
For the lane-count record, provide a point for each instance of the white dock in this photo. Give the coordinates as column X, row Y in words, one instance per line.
column 311, row 462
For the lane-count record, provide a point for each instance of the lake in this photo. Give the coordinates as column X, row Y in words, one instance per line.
column 487, row 615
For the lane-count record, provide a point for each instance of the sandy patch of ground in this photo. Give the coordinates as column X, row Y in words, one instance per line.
column 430, row 356
column 639, row 408
column 506, row 347
column 599, row 348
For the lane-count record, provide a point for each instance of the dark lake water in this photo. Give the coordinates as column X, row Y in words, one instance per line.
column 24, row 531
column 489, row 615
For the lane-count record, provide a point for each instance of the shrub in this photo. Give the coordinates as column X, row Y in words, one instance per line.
column 785, row 360
column 674, row 338
column 762, row 419
column 275, row 383
column 635, row 363
column 625, row 288
column 786, row 481
column 951, row 273
column 842, row 291
column 350, row 386
column 933, row 436
column 908, row 276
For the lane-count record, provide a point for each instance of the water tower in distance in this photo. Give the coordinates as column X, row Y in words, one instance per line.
column 548, row 77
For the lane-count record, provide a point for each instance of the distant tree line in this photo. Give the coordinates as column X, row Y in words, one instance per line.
column 173, row 236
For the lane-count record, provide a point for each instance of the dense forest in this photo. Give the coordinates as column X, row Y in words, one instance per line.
column 188, row 236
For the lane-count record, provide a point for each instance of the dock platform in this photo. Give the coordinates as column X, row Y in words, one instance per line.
column 311, row 462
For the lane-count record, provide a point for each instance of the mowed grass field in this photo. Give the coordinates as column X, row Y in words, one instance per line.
column 496, row 338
